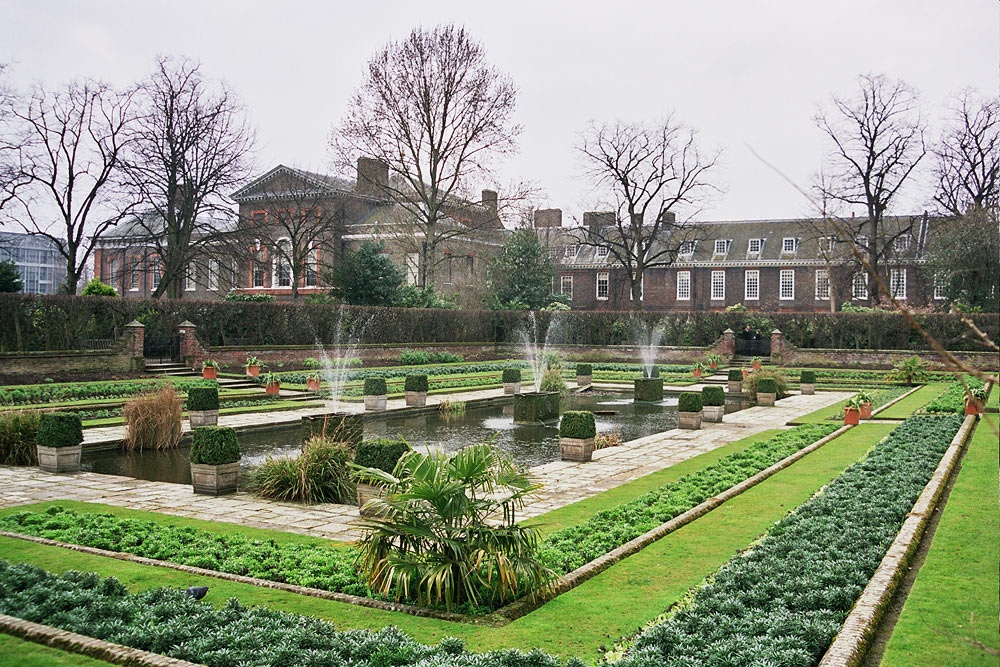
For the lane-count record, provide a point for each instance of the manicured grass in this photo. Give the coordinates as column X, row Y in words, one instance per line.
column 918, row 399
column 950, row 615
column 15, row 652
column 615, row 603
column 823, row 415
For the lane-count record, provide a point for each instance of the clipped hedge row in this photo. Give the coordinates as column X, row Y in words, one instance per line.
column 569, row 548
column 782, row 601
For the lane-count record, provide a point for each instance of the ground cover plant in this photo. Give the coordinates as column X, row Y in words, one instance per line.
column 952, row 399
column 785, row 598
column 36, row 394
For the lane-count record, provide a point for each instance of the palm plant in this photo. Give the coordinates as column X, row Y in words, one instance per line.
column 446, row 532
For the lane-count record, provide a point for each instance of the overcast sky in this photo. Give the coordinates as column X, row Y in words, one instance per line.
column 744, row 74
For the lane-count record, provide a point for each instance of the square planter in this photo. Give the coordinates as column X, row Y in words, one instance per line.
column 59, row 459
column 713, row 413
column 584, row 380
column 203, row 418
column 851, row 416
column 766, row 399
column 576, row 449
column 375, row 403
column 209, row 480
column 344, row 427
column 512, row 387
column 534, row 407
column 734, row 387
column 209, row 373
column 807, row 389
column 416, row 399
column 366, row 492
column 649, row 389
column 689, row 420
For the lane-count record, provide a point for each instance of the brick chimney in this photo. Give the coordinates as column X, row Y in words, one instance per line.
column 490, row 203
column 373, row 176
column 598, row 218
column 548, row 217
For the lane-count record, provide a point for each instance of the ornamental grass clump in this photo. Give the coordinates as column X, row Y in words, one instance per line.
column 59, row 429
column 751, row 384
column 321, row 474
column 17, row 437
column 215, row 446
column 153, row 421
column 714, row 396
column 579, row 424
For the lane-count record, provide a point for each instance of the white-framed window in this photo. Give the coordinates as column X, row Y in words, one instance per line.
column 687, row 248
column 154, row 275
column 602, row 251
column 571, row 251
column 213, row 274
column 859, row 285
column 940, row 285
column 112, row 272
column 311, row 277
column 721, row 247
column 901, row 243
column 133, row 276
column 822, row 285
column 788, row 244
column 754, row 246
column 258, row 273
column 751, row 285
column 642, row 282
column 602, row 286
column 683, row 285
column 825, row 245
column 862, row 242
column 897, row 283
column 566, row 286
column 718, row 285
column 190, row 274
column 786, row 285
column 412, row 262
column 282, row 268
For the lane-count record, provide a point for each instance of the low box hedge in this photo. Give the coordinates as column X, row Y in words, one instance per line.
column 59, row 429
column 215, row 445
column 203, row 398
column 735, row 375
column 578, row 424
column 511, row 375
column 767, row 386
column 808, row 377
column 381, row 453
column 689, row 401
column 653, row 373
column 713, row 396
column 415, row 382
column 375, row 387
column 584, row 369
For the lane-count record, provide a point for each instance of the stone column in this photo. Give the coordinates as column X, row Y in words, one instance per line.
column 191, row 349
column 777, row 347
column 727, row 348
column 133, row 340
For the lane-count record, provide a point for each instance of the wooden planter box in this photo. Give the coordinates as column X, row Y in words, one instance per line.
column 512, row 387
column 209, row 373
column 203, row 418
column 576, row 449
column 253, row 371
column 807, row 389
column 209, row 480
column 851, row 416
column 713, row 413
column 689, row 420
column 366, row 492
column 375, row 403
column 416, row 399
column 584, row 380
column 766, row 399
column 735, row 387
column 59, row 459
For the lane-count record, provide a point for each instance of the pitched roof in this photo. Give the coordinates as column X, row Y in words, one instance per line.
column 323, row 183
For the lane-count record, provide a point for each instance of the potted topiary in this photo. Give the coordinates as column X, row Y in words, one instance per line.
column 577, row 430
column 253, row 366
column 416, row 390
column 210, row 369
column 380, row 454
column 975, row 399
column 203, row 406
column 512, row 380
column 271, row 383
column 735, row 381
column 757, row 363
column 767, row 391
column 58, row 441
column 713, row 404
column 314, row 381
column 698, row 369
column 375, row 394
column 689, row 410
column 215, row 460
column 807, row 383
column 865, row 400
column 852, row 412
column 584, row 375
column 713, row 361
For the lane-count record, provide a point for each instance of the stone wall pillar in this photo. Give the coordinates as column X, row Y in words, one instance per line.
column 192, row 352
column 133, row 342
column 727, row 347
column 777, row 347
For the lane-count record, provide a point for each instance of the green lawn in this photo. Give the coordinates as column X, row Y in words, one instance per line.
column 950, row 616
column 15, row 652
column 918, row 399
column 599, row 612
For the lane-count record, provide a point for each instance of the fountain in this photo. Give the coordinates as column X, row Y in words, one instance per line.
column 650, row 386
column 537, row 406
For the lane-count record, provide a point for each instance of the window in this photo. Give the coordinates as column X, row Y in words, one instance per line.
column 721, row 247
column 133, row 276
column 602, row 286
column 751, row 285
column 754, row 246
column 642, row 281
column 258, row 274
column 859, row 286
column 825, row 245
column 940, row 285
column 897, row 283
column 112, row 272
column 788, row 244
column 786, row 285
column 822, row 285
column 412, row 267
column 189, row 277
column 571, row 251
column 213, row 274
column 862, row 243
column 566, row 286
column 602, row 251
column 683, row 285
column 154, row 279
column 901, row 243
column 687, row 248
column 718, row 285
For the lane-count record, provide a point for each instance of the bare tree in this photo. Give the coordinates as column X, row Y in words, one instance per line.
column 878, row 140
column 436, row 113
column 191, row 147
column 68, row 147
column 967, row 158
column 649, row 173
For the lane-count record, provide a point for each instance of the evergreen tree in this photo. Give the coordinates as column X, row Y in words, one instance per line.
column 10, row 277
column 366, row 277
column 521, row 275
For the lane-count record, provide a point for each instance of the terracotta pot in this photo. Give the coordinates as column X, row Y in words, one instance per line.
column 697, row 372
column 851, row 416
column 866, row 410
column 253, row 371
column 273, row 389
column 756, row 365
column 714, row 366
column 745, row 373
column 973, row 407
column 209, row 372
column 313, row 384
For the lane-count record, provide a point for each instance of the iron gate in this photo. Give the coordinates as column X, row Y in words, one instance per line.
column 161, row 349
column 746, row 347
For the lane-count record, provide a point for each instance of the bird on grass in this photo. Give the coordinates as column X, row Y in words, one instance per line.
column 197, row 592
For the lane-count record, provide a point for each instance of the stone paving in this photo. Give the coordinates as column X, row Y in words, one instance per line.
column 564, row 482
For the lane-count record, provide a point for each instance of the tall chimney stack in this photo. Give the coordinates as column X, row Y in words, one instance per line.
column 373, row 177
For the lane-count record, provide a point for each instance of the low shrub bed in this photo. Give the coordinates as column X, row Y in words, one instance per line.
column 572, row 547
column 38, row 394
column 783, row 600
column 952, row 399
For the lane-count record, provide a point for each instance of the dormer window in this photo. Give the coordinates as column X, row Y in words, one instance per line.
column 754, row 246
column 788, row 245
column 825, row 245
column 687, row 248
column 721, row 247
column 602, row 251
column 571, row 251
column 901, row 243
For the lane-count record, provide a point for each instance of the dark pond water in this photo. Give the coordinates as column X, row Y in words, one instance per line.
column 529, row 445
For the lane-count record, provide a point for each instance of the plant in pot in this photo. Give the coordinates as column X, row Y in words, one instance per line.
column 381, row 454
column 271, row 383
column 735, row 381
column 577, row 430
column 314, row 381
column 767, row 391
column 59, row 441
column 215, row 460
column 975, row 399
column 210, row 369
column 416, row 386
column 253, row 365
column 745, row 373
column 203, row 406
column 713, row 404
column 650, row 386
column 757, row 363
column 584, row 375
column 698, row 369
column 865, row 400
column 852, row 411
column 512, row 380
column 689, row 410
column 376, row 394
column 807, row 383
column 713, row 361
